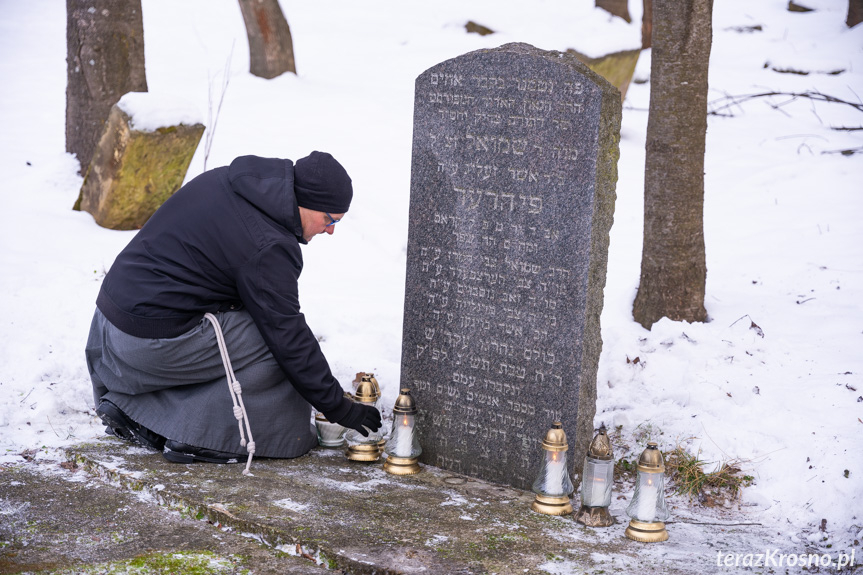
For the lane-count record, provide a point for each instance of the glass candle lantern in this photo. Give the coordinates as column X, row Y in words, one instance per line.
column 363, row 376
column 647, row 509
column 329, row 434
column 403, row 447
column 378, row 405
column 362, row 448
column 553, row 485
column 377, row 386
column 597, row 480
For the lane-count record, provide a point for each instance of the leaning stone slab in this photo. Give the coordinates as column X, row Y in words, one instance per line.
column 140, row 161
column 617, row 67
column 513, row 180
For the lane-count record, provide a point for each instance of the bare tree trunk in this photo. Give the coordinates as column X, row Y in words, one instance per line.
column 673, row 266
column 271, row 49
column 618, row 8
column 855, row 13
column 104, row 60
column 647, row 24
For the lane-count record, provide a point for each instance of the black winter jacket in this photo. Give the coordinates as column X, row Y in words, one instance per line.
column 227, row 239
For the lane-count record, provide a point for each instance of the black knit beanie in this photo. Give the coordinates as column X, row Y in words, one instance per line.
column 322, row 184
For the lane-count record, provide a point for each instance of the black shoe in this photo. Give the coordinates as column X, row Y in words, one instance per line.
column 119, row 425
column 177, row 452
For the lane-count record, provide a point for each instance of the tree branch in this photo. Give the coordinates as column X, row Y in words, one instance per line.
column 711, row 523
column 211, row 119
column 716, row 107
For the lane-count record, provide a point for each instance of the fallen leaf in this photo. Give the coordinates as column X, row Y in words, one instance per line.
column 29, row 454
column 707, row 500
column 303, row 554
column 756, row 327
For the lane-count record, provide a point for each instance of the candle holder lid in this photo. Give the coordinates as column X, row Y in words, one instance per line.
column 600, row 447
column 555, row 438
column 405, row 403
column 651, row 459
column 366, row 391
column 375, row 383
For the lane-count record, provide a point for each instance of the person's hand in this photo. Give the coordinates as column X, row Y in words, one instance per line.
column 361, row 417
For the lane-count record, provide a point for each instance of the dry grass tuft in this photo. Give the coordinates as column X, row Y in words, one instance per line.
column 686, row 471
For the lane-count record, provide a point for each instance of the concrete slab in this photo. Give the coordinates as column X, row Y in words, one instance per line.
column 347, row 516
column 61, row 520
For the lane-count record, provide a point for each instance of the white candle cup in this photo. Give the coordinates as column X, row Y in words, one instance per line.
column 404, row 437
column 403, row 441
column 598, row 490
column 646, row 510
column 597, row 481
column 555, row 472
column 329, row 434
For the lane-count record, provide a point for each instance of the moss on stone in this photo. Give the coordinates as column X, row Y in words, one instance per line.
column 617, row 67
column 133, row 172
column 152, row 169
column 197, row 563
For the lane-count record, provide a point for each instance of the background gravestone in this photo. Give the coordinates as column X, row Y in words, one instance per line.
column 142, row 158
column 512, row 195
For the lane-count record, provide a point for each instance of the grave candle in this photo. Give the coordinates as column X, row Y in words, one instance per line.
column 329, row 434
column 647, row 509
column 403, row 448
column 597, row 478
column 364, row 448
column 552, row 485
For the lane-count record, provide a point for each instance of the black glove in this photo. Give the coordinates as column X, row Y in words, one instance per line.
column 361, row 416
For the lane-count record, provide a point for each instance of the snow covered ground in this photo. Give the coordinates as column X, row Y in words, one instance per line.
column 774, row 381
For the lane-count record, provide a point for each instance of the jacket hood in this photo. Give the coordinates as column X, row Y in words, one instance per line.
column 268, row 184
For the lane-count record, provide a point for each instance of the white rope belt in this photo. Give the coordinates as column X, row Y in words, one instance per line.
column 236, row 393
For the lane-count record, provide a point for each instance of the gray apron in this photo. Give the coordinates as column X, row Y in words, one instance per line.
column 177, row 387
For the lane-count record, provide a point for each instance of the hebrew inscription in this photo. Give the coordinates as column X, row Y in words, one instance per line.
column 502, row 184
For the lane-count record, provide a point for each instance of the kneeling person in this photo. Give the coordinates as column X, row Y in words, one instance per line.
column 206, row 293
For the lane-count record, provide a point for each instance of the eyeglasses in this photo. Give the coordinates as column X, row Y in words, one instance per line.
column 332, row 220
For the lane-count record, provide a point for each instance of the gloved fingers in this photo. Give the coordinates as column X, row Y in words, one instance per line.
column 372, row 419
column 371, row 426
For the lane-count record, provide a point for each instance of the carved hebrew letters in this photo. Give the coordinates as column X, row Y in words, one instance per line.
column 495, row 272
column 493, row 297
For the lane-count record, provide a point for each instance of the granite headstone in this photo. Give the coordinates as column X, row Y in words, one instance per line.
column 513, row 175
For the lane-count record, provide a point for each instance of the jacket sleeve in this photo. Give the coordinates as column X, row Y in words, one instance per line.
column 267, row 285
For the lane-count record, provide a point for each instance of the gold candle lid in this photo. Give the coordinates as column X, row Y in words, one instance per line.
column 600, row 447
column 555, row 438
column 405, row 403
column 366, row 391
column 651, row 459
column 375, row 383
